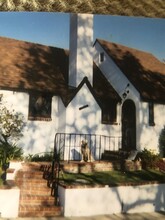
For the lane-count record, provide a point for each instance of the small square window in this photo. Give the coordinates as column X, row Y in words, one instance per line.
column 40, row 107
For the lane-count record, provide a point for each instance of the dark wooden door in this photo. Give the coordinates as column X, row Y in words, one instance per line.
column 128, row 125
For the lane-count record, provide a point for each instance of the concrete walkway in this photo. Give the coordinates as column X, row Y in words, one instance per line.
column 137, row 216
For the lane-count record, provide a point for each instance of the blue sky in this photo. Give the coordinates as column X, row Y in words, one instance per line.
column 52, row 29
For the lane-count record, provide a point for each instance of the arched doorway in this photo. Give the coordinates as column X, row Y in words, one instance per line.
column 128, row 126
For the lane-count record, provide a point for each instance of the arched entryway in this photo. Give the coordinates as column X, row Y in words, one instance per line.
column 128, row 125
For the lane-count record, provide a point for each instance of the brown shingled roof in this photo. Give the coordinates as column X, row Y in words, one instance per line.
column 29, row 66
column 143, row 70
column 26, row 66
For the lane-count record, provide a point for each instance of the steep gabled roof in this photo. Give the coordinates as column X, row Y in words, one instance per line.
column 71, row 93
column 143, row 70
column 28, row 66
column 103, row 89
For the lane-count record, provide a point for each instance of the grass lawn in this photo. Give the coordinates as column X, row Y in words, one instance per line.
column 114, row 178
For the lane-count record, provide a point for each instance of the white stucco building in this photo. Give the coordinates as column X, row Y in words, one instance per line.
column 96, row 88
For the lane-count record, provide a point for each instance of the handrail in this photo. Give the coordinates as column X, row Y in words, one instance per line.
column 67, row 147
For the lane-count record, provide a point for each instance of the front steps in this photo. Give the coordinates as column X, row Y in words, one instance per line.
column 35, row 196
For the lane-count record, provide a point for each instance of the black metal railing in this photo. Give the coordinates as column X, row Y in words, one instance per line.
column 67, row 147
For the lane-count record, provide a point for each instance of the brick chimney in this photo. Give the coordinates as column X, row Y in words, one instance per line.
column 81, row 48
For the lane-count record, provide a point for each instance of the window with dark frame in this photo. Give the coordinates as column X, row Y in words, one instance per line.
column 109, row 114
column 101, row 57
column 40, row 107
column 151, row 113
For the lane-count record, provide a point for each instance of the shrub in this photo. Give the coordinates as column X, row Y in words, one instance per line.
column 10, row 152
column 162, row 142
column 149, row 159
column 11, row 127
column 161, row 165
column 46, row 156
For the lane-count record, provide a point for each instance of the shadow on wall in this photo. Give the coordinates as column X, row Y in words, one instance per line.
column 144, row 198
column 38, row 137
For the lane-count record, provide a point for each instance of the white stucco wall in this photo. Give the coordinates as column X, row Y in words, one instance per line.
column 9, row 202
column 38, row 136
column 87, row 120
column 61, row 116
column 9, row 197
column 111, row 200
column 149, row 135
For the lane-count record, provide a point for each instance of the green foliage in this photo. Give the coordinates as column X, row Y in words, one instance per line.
column 162, row 142
column 161, row 165
column 10, row 152
column 149, row 159
column 11, row 128
column 1, row 180
column 11, row 124
column 46, row 156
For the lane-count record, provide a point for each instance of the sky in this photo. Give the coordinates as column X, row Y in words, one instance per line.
column 52, row 28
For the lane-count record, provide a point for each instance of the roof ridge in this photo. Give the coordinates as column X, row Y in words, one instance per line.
column 125, row 46
column 30, row 42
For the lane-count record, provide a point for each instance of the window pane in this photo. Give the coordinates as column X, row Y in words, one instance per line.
column 109, row 114
column 151, row 114
column 40, row 107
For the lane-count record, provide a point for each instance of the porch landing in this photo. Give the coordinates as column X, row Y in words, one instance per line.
column 99, row 166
